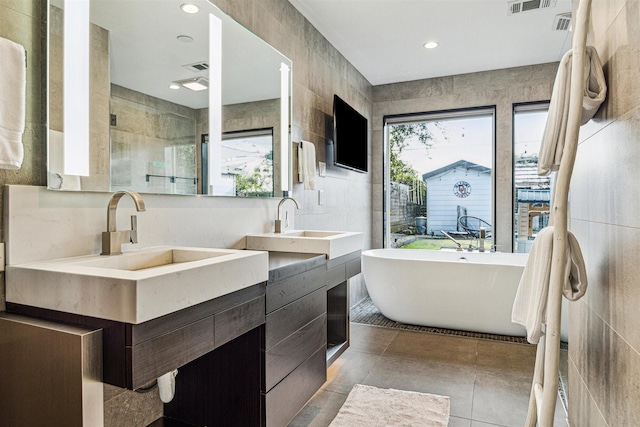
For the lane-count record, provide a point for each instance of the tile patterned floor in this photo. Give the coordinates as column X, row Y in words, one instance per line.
column 488, row 381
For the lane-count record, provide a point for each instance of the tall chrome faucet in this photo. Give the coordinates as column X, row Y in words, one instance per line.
column 481, row 236
column 278, row 227
column 112, row 239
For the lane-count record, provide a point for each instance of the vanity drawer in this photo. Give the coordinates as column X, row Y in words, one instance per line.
column 285, row 321
column 157, row 356
column 284, row 401
column 288, row 290
column 238, row 320
column 353, row 267
column 336, row 275
column 289, row 353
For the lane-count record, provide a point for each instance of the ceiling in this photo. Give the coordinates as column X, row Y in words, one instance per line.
column 384, row 39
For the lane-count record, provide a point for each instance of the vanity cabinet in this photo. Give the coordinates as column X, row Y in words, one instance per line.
column 339, row 270
column 306, row 328
column 295, row 339
column 134, row 355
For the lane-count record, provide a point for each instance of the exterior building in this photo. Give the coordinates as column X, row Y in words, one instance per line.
column 461, row 188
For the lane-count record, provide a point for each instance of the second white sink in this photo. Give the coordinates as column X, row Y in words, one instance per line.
column 331, row 243
column 136, row 286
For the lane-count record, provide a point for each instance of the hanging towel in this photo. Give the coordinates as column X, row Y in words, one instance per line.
column 529, row 306
column 307, row 164
column 555, row 130
column 13, row 82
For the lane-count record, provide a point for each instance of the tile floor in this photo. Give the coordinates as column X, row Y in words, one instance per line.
column 488, row 381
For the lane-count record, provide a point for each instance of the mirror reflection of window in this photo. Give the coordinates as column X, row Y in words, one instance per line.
column 246, row 163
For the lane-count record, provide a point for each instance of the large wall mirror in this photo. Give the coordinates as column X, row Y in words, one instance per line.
column 148, row 96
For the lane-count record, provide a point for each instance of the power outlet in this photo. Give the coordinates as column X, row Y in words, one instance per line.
column 320, row 197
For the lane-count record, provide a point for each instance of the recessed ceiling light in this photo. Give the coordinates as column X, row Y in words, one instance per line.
column 189, row 8
column 174, row 86
column 185, row 39
column 431, row 45
column 195, row 84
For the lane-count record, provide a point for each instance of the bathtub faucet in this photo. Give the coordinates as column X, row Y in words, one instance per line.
column 481, row 236
column 459, row 248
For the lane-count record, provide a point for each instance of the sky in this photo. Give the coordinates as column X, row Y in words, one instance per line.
column 471, row 139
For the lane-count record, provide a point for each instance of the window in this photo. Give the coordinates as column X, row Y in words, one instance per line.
column 532, row 193
column 438, row 178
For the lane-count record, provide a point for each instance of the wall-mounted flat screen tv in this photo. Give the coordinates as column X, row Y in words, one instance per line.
column 350, row 136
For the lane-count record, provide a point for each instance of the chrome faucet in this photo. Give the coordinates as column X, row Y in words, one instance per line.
column 112, row 239
column 459, row 245
column 481, row 236
column 278, row 227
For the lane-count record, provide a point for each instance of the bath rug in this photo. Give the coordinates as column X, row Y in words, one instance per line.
column 368, row 406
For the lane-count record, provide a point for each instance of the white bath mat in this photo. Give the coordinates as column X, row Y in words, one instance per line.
column 368, row 406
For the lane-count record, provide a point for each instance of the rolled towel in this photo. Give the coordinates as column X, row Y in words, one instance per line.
column 555, row 130
column 13, row 81
column 530, row 303
column 307, row 164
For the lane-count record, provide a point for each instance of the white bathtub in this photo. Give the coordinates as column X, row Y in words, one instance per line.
column 467, row 291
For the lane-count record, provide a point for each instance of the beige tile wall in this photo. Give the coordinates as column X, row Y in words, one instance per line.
column 319, row 71
column 604, row 350
column 24, row 22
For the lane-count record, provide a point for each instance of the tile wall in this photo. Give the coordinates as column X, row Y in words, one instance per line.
column 319, row 72
column 604, row 350
column 24, row 22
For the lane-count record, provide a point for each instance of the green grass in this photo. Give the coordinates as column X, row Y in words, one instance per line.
column 436, row 244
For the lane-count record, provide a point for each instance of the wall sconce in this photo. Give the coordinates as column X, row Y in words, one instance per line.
column 76, row 87
column 284, row 127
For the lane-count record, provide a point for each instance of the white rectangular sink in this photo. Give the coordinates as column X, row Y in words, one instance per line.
column 331, row 243
column 136, row 286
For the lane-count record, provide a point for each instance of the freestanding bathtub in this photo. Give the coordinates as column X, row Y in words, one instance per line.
column 468, row 291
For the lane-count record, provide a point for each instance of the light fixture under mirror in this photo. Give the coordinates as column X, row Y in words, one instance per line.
column 145, row 134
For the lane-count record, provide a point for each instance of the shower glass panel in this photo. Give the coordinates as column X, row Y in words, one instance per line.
column 439, row 179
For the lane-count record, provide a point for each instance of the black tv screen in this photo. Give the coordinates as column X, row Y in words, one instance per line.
column 349, row 137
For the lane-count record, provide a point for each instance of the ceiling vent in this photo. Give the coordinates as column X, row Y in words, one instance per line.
column 562, row 22
column 197, row 66
column 521, row 6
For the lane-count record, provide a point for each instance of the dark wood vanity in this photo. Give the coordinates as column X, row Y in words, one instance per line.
column 307, row 328
column 250, row 358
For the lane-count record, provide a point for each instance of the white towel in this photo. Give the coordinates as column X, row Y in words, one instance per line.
column 529, row 306
column 555, row 130
column 307, row 164
column 13, row 83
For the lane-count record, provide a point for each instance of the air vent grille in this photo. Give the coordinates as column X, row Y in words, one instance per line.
column 562, row 22
column 521, row 6
column 196, row 67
